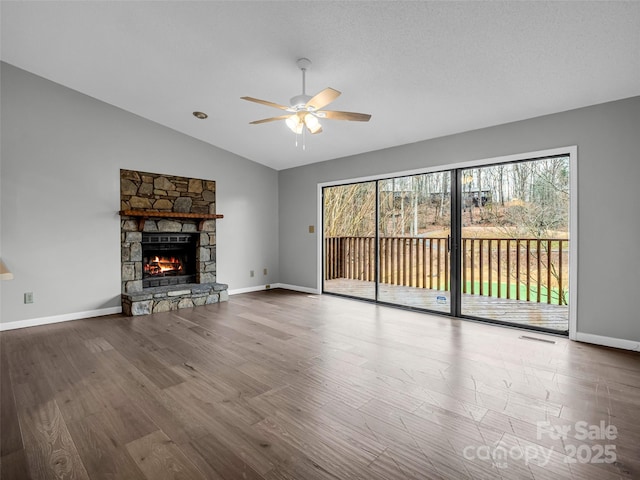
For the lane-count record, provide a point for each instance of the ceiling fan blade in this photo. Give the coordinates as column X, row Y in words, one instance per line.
column 272, row 119
column 352, row 116
column 322, row 99
column 265, row 102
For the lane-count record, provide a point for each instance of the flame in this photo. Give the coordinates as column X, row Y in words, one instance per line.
column 160, row 265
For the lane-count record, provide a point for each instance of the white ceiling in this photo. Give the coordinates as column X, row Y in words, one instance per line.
column 422, row 69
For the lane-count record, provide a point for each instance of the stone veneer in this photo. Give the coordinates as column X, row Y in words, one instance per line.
column 163, row 299
column 166, row 193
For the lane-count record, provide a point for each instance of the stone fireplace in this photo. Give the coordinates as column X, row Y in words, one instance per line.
column 168, row 243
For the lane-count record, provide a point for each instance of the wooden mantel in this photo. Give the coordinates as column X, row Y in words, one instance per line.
column 142, row 215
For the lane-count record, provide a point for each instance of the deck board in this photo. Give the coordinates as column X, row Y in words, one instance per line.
column 520, row 312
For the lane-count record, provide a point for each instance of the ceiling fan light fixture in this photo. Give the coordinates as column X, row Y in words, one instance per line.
column 312, row 123
column 294, row 122
column 315, row 130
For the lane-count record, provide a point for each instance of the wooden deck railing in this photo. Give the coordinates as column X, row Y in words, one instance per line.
column 528, row 269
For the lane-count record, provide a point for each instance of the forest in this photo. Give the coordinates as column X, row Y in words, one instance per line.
column 526, row 199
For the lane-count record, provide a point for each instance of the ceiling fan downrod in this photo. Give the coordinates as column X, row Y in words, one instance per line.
column 299, row 101
column 304, row 81
column 304, row 64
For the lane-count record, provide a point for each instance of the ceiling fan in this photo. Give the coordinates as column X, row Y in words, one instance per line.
column 305, row 110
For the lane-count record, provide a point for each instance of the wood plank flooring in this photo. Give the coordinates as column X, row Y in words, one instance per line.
column 283, row 385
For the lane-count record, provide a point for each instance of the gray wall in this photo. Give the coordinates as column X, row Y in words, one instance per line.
column 60, row 189
column 608, row 140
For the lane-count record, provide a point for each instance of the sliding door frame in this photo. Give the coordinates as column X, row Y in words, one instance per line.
column 455, row 259
column 570, row 151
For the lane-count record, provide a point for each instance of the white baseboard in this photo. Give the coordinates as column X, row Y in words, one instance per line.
column 66, row 317
column 608, row 341
column 259, row 288
column 255, row 288
column 34, row 322
column 296, row 288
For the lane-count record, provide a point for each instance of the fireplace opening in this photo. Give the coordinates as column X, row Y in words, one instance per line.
column 164, row 266
column 168, row 259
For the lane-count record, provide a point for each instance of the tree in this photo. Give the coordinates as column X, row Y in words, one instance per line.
column 349, row 210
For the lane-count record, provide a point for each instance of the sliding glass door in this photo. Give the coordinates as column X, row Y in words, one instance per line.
column 515, row 243
column 414, row 227
column 489, row 242
column 350, row 240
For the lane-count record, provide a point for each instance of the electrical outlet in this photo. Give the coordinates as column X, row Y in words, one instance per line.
column 28, row 297
column 267, row 286
column 312, row 229
column 251, row 273
column 264, row 272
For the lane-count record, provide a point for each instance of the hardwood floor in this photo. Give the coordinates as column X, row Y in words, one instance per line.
column 283, row 385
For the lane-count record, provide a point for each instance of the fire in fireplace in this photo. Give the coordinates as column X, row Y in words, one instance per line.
column 163, row 266
column 168, row 259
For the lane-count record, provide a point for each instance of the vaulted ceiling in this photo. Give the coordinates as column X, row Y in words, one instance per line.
column 421, row 69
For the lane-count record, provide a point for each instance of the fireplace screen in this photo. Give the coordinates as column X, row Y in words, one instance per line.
column 168, row 259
